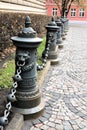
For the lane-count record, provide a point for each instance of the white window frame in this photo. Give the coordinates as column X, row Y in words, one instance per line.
column 54, row 11
column 73, row 12
column 81, row 13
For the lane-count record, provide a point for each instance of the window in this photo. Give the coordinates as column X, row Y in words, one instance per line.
column 65, row 13
column 73, row 12
column 81, row 13
column 54, row 12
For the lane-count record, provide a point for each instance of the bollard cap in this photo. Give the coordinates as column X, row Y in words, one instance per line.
column 27, row 37
column 58, row 22
column 52, row 25
column 27, row 32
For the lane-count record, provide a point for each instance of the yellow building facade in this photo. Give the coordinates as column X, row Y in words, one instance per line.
column 30, row 6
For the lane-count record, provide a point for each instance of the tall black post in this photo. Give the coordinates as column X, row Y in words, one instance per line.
column 28, row 95
column 51, row 39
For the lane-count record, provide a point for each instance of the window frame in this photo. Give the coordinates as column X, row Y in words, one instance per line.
column 54, row 12
column 73, row 11
column 80, row 12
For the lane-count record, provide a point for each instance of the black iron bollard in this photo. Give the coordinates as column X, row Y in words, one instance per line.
column 51, row 39
column 28, row 95
column 59, row 31
column 65, row 22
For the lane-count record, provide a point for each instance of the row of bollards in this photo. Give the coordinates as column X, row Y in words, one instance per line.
column 56, row 31
column 25, row 96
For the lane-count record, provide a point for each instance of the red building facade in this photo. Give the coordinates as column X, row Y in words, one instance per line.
column 76, row 12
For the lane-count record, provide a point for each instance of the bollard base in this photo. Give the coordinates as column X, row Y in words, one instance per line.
column 52, row 55
column 63, row 38
column 59, row 41
column 60, row 46
column 54, row 62
column 30, row 111
column 34, row 116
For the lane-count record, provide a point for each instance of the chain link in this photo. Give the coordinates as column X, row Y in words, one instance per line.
column 40, row 67
column 1, row 127
column 8, row 106
column 19, row 70
column 11, row 97
column 15, row 85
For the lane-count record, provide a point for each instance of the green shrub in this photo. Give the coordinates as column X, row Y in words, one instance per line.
column 11, row 23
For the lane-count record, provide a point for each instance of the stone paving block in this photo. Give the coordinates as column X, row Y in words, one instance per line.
column 36, row 121
column 51, row 119
column 51, row 124
column 80, row 125
column 84, row 128
column 58, row 121
column 72, row 122
column 46, row 115
column 75, row 127
column 67, row 125
column 42, row 119
column 44, row 127
column 51, row 128
column 59, row 127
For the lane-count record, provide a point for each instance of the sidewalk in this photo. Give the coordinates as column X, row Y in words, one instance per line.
column 65, row 87
column 77, row 22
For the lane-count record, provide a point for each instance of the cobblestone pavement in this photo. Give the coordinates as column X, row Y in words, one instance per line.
column 65, row 87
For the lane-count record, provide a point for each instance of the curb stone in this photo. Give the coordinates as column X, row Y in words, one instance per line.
column 43, row 73
column 18, row 120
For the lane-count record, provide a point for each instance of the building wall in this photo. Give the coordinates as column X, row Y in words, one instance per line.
column 77, row 17
column 50, row 5
column 30, row 6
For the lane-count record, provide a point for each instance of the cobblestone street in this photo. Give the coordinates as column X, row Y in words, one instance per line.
column 65, row 86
